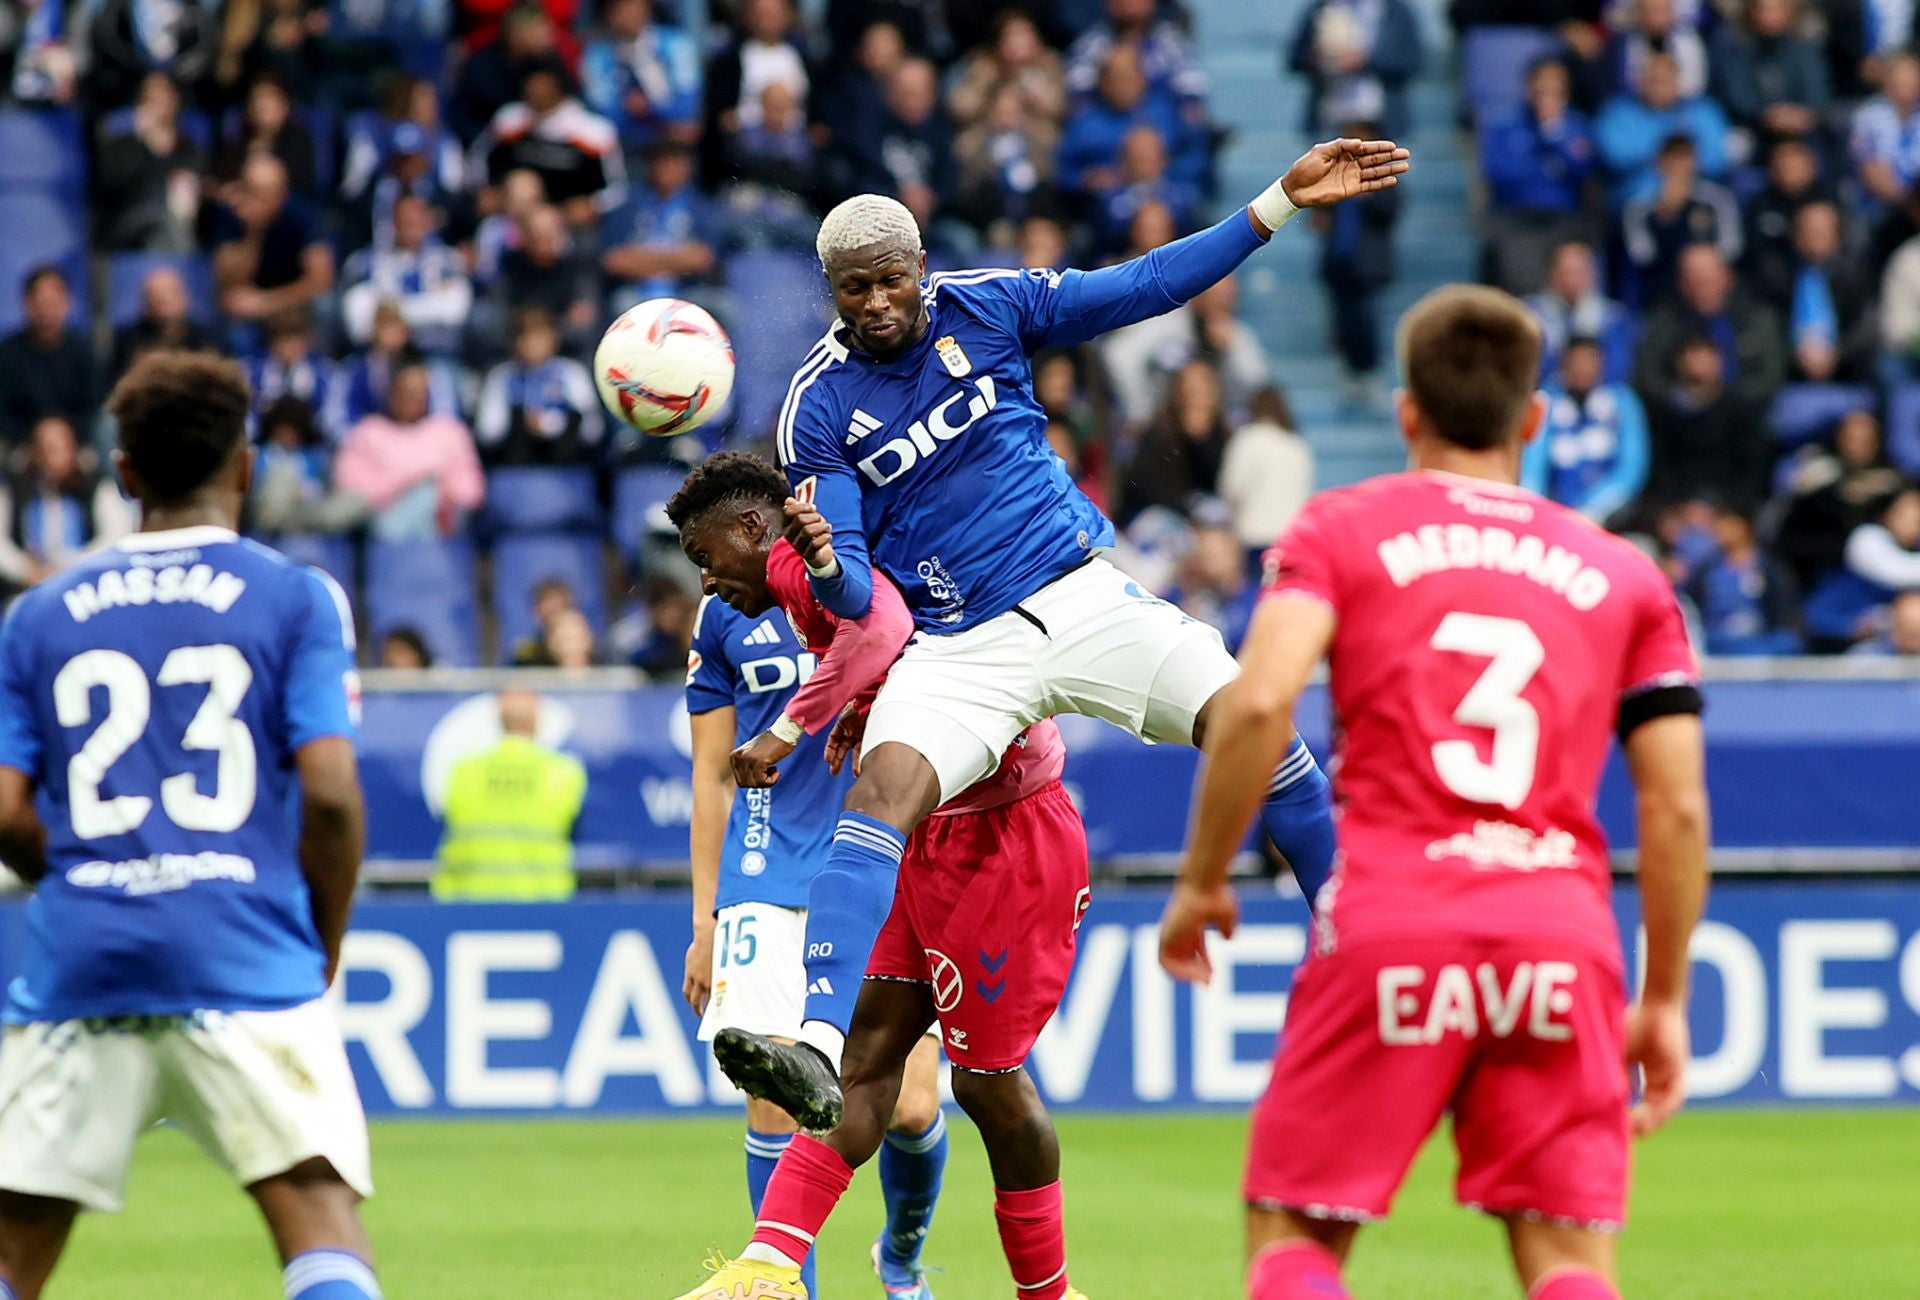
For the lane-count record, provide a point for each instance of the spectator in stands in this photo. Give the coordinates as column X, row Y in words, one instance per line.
column 1152, row 227
column 1572, row 306
column 38, row 60
column 165, row 321
column 552, row 597
column 1357, row 262
column 662, row 655
column 1631, row 129
column 1881, row 560
column 1654, row 29
column 1828, row 304
column 493, row 75
column 1901, row 635
column 1267, row 472
column 1178, row 457
column 404, row 650
column 408, row 127
column 366, row 375
column 657, row 243
column 130, row 38
column 46, row 367
column 269, row 127
column 57, row 505
column 1771, row 79
column 1856, row 37
column 293, row 365
column 1793, row 181
column 643, row 76
column 776, row 170
column 854, row 99
column 146, row 180
column 1166, row 59
column 1141, row 359
column 1212, row 581
column 1006, row 162
column 1592, row 453
column 1832, row 489
column 505, row 229
column 1708, row 301
column 1357, row 52
column 1684, row 210
column 550, row 270
column 1015, row 59
column 1537, row 165
column 419, row 273
column 1886, row 133
column 291, row 491
column 1066, row 382
column 269, row 254
column 575, row 152
column 418, row 471
column 539, row 408
column 909, row 154
column 1708, row 440
column 1900, row 314
column 293, row 41
column 767, row 48
column 1141, row 178
column 1746, row 602
column 1096, row 129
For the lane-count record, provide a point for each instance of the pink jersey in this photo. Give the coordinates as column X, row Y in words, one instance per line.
column 854, row 658
column 1486, row 639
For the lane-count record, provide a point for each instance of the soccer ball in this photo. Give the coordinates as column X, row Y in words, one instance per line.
column 664, row 367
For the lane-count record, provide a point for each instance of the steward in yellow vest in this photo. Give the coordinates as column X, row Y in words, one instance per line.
column 510, row 815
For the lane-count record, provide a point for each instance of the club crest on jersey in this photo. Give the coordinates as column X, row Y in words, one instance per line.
column 952, row 357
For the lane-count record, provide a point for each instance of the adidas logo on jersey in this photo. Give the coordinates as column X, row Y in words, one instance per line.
column 860, row 426
column 765, row 634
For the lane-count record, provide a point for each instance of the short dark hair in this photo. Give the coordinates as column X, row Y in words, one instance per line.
column 290, row 412
column 45, row 271
column 412, row 639
column 182, row 415
column 724, row 477
column 1676, row 144
column 1471, row 356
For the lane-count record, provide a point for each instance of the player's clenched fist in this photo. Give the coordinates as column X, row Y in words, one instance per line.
column 755, row 763
column 1191, row 912
column 809, row 533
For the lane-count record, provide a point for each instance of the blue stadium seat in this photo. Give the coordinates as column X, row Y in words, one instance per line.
column 1903, row 427
column 1493, row 68
column 1802, row 412
column 41, row 229
column 542, row 499
column 41, row 150
column 637, row 491
column 427, row 586
column 523, row 561
column 127, row 277
column 779, row 313
column 332, row 554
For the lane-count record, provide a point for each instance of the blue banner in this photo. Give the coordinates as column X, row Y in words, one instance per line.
column 1790, row 764
column 1804, row 993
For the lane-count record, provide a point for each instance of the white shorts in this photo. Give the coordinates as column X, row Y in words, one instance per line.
column 1092, row 642
column 261, row 1091
column 759, row 971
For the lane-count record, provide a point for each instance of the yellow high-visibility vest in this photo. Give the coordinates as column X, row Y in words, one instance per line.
column 510, row 816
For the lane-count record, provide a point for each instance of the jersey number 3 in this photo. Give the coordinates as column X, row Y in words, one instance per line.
column 225, row 673
column 1493, row 702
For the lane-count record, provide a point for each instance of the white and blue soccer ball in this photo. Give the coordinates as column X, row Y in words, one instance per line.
column 664, row 367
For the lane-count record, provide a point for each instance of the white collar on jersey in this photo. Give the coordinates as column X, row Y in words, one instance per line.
column 177, row 539
column 1478, row 484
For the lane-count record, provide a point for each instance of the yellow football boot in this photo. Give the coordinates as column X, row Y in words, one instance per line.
column 747, row 1279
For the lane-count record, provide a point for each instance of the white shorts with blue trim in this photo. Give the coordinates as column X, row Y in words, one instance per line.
column 759, row 974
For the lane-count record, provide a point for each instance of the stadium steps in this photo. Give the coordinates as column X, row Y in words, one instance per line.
column 1242, row 48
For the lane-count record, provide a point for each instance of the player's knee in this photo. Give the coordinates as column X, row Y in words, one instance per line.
column 896, row 786
column 917, row 1106
column 999, row 1103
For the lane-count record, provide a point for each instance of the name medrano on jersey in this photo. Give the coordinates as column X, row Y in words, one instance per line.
column 1437, row 548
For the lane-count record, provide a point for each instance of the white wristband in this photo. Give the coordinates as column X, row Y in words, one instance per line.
column 787, row 730
column 831, row 571
column 1273, row 207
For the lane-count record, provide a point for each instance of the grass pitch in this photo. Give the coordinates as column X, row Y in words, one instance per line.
column 1726, row 1204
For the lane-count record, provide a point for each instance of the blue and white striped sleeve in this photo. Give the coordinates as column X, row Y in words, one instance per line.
column 323, row 683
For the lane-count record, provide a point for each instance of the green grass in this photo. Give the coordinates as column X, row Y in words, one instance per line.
column 1727, row 1204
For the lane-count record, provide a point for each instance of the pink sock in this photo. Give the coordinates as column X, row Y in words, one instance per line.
column 1033, row 1234
column 1573, row 1284
column 807, row 1183
column 1295, row 1270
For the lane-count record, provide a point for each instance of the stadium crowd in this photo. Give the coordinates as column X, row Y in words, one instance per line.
column 412, row 219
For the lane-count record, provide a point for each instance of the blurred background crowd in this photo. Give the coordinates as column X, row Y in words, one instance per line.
column 412, row 218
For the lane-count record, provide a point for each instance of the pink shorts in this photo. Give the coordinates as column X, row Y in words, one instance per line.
column 1523, row 1040
column 987, row 911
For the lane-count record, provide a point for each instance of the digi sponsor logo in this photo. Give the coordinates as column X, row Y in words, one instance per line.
column 926, row 436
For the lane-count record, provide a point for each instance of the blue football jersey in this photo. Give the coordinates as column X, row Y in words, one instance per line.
column 777, row 838
column 156, row 693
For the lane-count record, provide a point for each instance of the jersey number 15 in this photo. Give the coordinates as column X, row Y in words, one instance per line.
column 225, row 673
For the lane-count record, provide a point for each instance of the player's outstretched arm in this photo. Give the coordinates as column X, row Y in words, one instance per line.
column 1666, row 757
column 1328, row 173
column 706, row 835
column 333, row 835
column 23, row 838
column 1249, row 727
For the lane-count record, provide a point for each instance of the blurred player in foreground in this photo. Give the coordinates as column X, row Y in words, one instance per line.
column 185, row 702
column 984, row 920
column 1483, row 643
column 914, row 427
column 753, row 859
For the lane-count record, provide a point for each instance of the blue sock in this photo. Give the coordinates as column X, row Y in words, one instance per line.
column 330, row 1275
column 1298, row 817
column 7, row 1292
column 763, row 1153
column 911, row 1168
column 846, row 907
